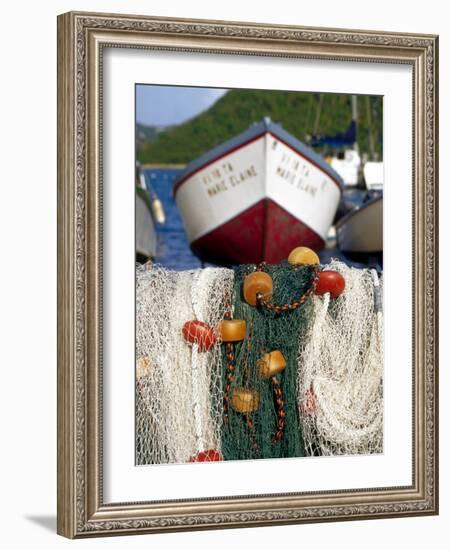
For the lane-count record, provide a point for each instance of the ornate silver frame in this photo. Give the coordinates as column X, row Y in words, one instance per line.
column 81, row 38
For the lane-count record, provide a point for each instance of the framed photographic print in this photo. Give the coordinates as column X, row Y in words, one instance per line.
column 247, row 277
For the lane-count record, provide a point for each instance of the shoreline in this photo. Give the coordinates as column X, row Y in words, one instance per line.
column 156, row 165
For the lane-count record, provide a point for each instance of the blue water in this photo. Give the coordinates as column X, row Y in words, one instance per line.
column 172, row 246
column 173, row 250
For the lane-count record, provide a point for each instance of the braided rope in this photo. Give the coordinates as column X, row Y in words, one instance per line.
column 280, row 308
column 281, row 413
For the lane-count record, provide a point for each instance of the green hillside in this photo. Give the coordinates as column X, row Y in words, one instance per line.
column 300, row 113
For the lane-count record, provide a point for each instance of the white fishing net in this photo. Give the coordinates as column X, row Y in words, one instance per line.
column 178, row 405
column 340, row 369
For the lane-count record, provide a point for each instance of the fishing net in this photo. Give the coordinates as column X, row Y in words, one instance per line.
column 340, row 369
column 327, row 400
column 251, row 436
column 176, row 415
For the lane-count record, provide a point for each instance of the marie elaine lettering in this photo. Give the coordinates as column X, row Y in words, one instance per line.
column 224, row 177
column 295, row 171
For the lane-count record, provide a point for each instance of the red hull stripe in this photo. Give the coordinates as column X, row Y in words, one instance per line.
column 255, row 138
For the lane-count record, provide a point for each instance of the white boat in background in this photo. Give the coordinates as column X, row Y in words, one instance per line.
column 361, row 230
column 374, row 175
column 145, row 232
column 344, row 157
column 148, row 211
column 256, row 197
column 348, row 167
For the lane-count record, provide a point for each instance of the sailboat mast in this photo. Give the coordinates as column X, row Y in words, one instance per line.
column 354, row 100
column 369, row 124
column 318, row 112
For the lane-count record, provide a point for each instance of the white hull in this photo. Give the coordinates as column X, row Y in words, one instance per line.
column 348, row 167
column 145, row 230
column 374, row 175
column 362, row 230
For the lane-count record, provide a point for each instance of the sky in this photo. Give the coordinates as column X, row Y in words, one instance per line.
column 163, row 105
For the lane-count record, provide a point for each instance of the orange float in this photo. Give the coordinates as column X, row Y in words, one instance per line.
column 232, row 330
column 271, row 364
column 244, row 400
column 256, row 283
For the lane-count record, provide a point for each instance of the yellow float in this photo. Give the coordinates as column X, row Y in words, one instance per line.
column 302, row 255
column 245, row 400
column 271, row 364
column 232, row 330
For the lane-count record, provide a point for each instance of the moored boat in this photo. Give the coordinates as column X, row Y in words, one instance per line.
column 257, row 196
column 347, row 165
column 361, row 230
column 374, row 175
column 148, row 211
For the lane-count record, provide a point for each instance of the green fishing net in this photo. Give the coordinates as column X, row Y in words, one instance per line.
column 267, row 331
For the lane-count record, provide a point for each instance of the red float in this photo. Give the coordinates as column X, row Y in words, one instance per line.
column 207, row 456
column 332, row 282
column 200, row 333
